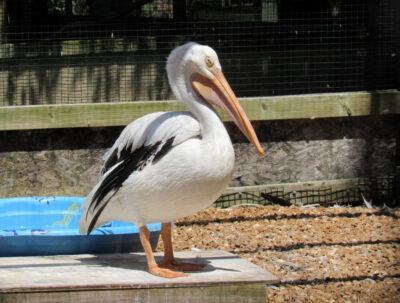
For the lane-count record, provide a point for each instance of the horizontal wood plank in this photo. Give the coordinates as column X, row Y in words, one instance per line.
column 250, row 293
column 311, row 106
column 124, row 278
column 308, row 185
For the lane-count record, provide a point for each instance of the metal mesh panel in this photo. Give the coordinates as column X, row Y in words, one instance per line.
column 376, row 191
column 79, row 51
column 386, row 53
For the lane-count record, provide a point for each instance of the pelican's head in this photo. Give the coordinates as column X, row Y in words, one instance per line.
column 199, row 64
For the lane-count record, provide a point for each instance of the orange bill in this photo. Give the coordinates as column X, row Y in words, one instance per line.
column 219, row 93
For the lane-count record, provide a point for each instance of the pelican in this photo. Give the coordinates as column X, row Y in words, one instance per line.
column 167, row 165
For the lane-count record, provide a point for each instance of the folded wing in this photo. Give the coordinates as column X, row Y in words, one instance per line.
column 143, row 142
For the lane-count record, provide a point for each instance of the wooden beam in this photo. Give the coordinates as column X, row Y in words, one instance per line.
column 311, row 106
column 307, row 185
column 78, row 115
column 252, row 293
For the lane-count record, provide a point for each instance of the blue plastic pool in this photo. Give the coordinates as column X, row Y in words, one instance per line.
column 50, row 225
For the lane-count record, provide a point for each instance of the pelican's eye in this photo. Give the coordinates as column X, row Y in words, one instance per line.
column 209, row 62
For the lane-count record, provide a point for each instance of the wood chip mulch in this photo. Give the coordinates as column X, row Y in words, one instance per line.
column 335, row 254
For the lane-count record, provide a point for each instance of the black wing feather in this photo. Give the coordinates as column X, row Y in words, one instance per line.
column 111, row 161
column 129, row 162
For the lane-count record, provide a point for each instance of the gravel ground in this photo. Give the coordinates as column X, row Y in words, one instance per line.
column 336, row 254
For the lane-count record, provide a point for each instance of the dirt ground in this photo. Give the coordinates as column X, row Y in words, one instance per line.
column 335, row 254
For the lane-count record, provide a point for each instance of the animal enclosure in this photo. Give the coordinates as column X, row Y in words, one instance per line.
column 78, row 64
column 320, row 83
column 69, row 52
column 73, row 64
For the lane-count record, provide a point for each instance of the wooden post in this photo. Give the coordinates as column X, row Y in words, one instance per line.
column 397, row 181
column 3, row 21
column 396, row 7
column 371, row 43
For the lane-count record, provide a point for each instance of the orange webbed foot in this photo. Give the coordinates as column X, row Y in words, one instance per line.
column 166, row 272
column 182, row 266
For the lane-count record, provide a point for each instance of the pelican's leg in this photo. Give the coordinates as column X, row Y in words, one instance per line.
column 169, row 260
column 151, row 262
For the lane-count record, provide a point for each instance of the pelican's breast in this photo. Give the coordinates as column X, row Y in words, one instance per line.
column 189, row 178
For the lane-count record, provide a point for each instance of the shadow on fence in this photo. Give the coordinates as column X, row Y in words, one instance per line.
column 378, row 192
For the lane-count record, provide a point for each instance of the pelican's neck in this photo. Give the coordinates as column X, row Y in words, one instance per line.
column 210, row 123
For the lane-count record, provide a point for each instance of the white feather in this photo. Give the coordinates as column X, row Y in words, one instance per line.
column 156, row 127
column 191, row 175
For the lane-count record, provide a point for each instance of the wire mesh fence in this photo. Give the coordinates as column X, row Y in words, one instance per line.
column 377, row 191
column 80, row 51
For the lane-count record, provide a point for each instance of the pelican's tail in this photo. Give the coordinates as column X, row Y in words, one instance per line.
column 95, row 203
column 85, row 220
column 89, row 219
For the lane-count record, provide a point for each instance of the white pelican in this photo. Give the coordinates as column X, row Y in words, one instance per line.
column 167, row 165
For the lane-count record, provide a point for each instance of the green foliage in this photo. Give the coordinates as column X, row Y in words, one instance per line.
column 80, row 7
column 56, row 7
